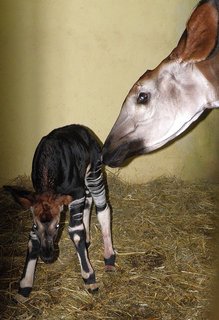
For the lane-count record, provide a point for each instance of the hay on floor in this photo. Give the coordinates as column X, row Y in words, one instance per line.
column 164, row 234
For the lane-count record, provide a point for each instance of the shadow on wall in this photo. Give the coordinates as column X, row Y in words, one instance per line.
column 18, row 85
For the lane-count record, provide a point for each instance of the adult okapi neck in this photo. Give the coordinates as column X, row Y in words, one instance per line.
column 210, row 69
column 165, row 101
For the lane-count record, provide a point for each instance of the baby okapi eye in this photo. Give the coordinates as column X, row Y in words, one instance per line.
column 57, row 226
column 34, row 226
column 143, row 98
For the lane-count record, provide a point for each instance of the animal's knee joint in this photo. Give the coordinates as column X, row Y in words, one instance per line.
column 76, row 239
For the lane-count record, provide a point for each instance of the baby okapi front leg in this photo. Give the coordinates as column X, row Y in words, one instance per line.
column 95, row 184
column 104, row 218
column 77, row 234
column 27, row 278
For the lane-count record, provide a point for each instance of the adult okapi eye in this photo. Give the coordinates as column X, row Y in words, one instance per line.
column 143, row 98
column 57, row 226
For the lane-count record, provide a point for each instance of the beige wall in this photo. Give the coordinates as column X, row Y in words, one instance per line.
column 73, row 61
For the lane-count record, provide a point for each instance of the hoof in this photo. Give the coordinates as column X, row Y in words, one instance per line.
column 109, row 268
column 92, row 288
column 19, row 298
column 25, row 292
column 110, row 262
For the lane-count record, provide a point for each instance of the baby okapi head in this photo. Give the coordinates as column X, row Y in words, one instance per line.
column 46, row 209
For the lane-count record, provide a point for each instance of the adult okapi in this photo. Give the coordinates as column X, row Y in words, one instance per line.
column 166, row 100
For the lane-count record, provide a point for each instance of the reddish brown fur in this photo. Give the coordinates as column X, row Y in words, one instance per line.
column 195, row 45
column 200, row 36
column 47, row 206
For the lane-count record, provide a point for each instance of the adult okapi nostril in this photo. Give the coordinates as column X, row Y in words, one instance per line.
column 107, row 152
column 104, row 155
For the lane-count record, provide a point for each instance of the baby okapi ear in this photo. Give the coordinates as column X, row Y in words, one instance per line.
column 200, row 37
column 25, row 198
column 65, row 199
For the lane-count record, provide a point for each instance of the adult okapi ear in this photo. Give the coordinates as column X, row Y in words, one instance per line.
column 200, row 37
column 25, row 198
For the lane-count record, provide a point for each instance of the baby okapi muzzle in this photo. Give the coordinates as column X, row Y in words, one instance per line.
column 66, row 171
column 46, row 216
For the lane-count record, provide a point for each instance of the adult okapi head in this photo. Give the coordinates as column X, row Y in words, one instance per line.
column 46, row 209
column 166, row 100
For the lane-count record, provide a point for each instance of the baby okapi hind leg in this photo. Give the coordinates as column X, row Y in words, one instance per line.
column 104, row 218
column 27, row 278
column 86, row 216
column 77, row 234
column 95, row 184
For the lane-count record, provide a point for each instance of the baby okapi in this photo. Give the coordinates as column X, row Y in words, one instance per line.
column 66, row 170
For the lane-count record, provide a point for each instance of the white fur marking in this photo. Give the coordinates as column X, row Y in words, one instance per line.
column 105, row 222
column 86, row 218
column 72, row 229
column 84, row 274
column 27, row 281
column 76, row 239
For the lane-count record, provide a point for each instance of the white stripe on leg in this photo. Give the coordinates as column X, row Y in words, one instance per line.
column 104, row 219
column 27, row 281
column 86, row 218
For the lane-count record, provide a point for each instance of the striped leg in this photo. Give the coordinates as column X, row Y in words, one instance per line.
column 86, row 216
column 77, row 233
column 95, row 184
column 27, row 278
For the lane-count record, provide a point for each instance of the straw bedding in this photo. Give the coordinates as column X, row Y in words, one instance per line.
column 164, row 233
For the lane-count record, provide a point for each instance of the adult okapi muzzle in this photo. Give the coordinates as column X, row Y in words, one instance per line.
column 165, row 101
